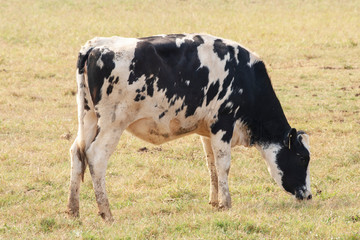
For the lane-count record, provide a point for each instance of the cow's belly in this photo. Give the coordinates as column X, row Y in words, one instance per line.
column 157, row 132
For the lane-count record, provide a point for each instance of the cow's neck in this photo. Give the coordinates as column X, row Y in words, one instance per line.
column 271, row 131
column 266, row 120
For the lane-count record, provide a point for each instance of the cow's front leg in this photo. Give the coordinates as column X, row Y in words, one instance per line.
column 98, row 155
column 222, row 154
column 213, row 199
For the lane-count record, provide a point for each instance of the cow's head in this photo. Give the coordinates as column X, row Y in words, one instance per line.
column 288, row 163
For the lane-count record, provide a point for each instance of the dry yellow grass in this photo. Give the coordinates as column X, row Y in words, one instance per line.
column 312, row 51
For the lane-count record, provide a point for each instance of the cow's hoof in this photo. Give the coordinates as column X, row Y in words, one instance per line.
column 224, row 206
column 214, row 203
column 108, row 218
column 72, row 213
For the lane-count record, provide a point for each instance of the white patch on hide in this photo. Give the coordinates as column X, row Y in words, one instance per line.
column 180, row 41
column 254, row 58
column 307, row 181
column 269, row 154
column 215, row 65
column 240, row 134
column 229, row 105
column 100, row 63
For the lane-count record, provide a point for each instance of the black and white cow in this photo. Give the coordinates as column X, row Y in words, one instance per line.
column 164, row 87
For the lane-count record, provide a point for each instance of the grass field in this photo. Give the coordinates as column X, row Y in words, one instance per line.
column 312, row 51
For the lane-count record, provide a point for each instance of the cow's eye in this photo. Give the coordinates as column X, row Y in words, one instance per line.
column 304, row 160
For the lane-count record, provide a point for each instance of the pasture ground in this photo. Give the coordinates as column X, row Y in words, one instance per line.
column 312, row 51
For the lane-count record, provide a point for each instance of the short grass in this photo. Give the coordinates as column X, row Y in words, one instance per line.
column 312, row 50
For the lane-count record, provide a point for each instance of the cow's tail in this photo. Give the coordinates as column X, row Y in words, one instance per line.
column 80, row 78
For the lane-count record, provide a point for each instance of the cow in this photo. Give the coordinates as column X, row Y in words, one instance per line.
column 164, row 87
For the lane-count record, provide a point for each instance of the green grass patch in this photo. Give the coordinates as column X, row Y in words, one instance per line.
column 47, row 224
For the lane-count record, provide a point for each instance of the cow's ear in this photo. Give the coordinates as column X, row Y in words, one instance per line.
column 304, row 139
column 290, row 138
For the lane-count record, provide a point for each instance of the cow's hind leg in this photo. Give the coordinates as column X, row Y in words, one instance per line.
column 98, row 155
column 213, row 199
column 75, row 178
column 77, row 163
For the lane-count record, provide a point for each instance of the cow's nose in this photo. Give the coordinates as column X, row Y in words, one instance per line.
column 309, row 197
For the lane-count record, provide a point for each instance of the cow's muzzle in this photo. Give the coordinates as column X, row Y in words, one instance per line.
column 301, row 194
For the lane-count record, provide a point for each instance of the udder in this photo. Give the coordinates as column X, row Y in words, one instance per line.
column 157, row 132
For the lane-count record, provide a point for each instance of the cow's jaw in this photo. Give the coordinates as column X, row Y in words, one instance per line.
column 269, row 153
